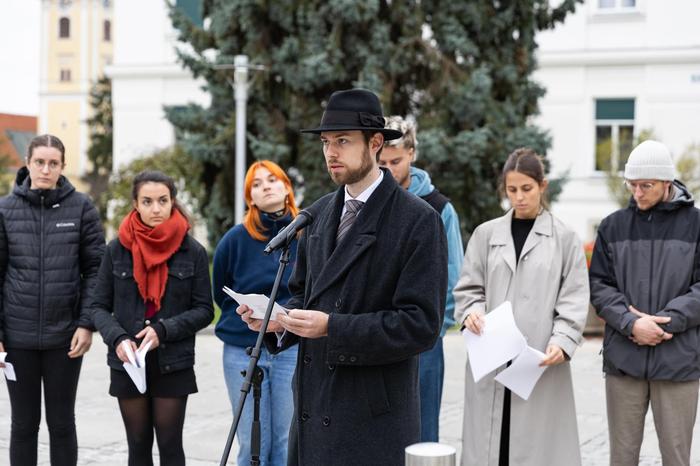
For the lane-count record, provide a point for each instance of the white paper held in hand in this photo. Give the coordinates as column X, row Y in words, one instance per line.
column 136, row 367
column 257, row 302
column 9, row 369
column 499, row 342
column 522, row 375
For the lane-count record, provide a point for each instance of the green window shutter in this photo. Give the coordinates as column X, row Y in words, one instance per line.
column 193, row 10
column 614, row 109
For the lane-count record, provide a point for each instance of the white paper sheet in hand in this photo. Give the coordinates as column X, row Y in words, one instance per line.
column 257, row 302
column 521, row 376
column 136, row 367
column 9, row 369
column 499, row 342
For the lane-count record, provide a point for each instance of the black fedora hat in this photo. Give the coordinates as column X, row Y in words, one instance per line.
column 354, row 109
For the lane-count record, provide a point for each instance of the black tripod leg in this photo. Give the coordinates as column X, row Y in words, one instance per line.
column 255, row 437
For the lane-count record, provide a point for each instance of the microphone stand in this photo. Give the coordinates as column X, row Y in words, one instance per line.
column 254, row 375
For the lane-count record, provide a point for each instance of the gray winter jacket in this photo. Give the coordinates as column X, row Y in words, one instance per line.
column 650, row 260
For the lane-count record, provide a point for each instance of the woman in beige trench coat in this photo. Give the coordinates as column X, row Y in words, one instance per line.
column 527, row 257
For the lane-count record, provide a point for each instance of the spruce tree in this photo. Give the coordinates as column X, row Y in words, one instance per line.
column 461, row 68
column 99, row 152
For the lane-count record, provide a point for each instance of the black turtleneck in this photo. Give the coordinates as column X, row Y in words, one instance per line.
column 520, row 228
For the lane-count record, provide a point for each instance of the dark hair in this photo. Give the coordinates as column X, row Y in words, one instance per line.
column 526, row 161
column 155, row 176
column 46, row 140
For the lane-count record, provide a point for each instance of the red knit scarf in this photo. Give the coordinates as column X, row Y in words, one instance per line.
column 151, row 247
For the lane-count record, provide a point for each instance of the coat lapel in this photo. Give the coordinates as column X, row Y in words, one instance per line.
column 504, row 239
column 542, row 227
column 336, row 261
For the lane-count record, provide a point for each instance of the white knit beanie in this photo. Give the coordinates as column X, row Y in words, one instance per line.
column 650, row 160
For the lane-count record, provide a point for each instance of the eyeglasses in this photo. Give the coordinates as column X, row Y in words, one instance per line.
column 645, row 187
column 53, row 165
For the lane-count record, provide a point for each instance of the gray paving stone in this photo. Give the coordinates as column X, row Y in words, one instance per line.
column 102, row 440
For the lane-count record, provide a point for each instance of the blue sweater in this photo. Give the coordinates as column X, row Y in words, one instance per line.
column 421, row 186
column 240, row 264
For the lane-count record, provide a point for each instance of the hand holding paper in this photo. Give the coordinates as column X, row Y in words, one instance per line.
column 256, row 302
column 499, row 342
column 521, row 376
column 136, row 367
column 7, row 368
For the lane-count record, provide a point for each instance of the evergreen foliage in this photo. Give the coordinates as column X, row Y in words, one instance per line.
column 461, row 68
column 99, row 152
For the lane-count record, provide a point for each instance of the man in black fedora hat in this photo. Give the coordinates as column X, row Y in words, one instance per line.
column 368, row 290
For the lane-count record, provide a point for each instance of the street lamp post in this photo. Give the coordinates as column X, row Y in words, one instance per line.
column 240, row 68
column 240, row 95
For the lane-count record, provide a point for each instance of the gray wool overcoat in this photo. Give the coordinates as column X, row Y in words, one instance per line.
column 384, row 286
column 549, row 291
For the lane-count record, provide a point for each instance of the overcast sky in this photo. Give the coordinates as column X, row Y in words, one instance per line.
column 19, row 56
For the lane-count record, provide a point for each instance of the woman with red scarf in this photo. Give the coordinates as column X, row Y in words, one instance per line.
column 153, row 294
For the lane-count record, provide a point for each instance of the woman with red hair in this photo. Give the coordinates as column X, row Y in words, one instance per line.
column 239, row 263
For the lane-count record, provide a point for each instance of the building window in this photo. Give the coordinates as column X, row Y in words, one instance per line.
column 614, row 133
column 65, row 75
column 616, row 5
column 64, row 28
column 107, row 30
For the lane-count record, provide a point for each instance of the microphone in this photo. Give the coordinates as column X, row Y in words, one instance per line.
column 285, row 236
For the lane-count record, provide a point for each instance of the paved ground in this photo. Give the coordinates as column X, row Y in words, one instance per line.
column 102, row 441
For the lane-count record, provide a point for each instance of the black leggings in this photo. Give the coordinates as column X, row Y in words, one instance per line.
column 141, row 415
column 59, row 374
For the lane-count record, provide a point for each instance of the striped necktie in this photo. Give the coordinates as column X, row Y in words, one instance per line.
column 352, row 207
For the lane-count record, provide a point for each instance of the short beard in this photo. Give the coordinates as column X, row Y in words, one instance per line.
column 353, row 176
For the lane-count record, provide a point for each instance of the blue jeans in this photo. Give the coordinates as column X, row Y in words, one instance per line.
column 432, row 371
column 276, row 403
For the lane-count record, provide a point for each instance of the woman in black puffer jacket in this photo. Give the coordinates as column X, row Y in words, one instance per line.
column 51, row 245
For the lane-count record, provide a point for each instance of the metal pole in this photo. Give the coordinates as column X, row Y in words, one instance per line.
column 430, row 454
column 240, row 86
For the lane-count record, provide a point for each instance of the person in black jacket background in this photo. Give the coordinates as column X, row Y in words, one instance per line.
column 153, row 288
column 51, row 244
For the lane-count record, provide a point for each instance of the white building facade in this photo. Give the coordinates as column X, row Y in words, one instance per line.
column 146, row 77
column 613, row 69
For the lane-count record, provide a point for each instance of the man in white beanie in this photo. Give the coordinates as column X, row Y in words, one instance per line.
column 645, row 284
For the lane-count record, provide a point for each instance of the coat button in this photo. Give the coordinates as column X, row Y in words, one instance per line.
column 341, row 358
column 307, row 359
column 338, row 303
column 163, row 345
column 326, row 421
column 123, row 274
column 167, row 368
column 305, row 416
column 353, row 359
column 147, row 322
column 331, row 367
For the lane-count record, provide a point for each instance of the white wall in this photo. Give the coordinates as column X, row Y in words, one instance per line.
column 145, row 77
column 651, row 55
